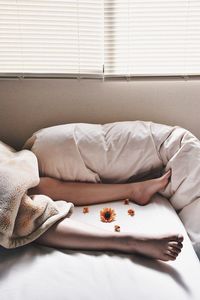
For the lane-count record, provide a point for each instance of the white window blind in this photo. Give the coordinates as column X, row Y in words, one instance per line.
column 128, row 37
column 152, row 37
column 52, row 37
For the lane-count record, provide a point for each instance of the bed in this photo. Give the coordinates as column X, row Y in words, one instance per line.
column 100, row 153
column 37, row 272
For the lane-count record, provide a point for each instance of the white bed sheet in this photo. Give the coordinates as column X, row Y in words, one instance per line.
column 36, row 272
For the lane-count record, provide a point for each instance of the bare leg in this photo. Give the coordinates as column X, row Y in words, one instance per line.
column 70, row 234
column 91, row 193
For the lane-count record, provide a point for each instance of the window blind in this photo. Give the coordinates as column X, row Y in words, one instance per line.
column 152, row 37
column 128, row 37
column 52, row 37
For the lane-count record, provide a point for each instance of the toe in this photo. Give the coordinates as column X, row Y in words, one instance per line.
column 168, row 173
column 173, row 248
column 176, row 245
column 180, row 238
column 176, row 238
column 171, row 254
column 165, row 178
column 180, row 245
column 174, row 252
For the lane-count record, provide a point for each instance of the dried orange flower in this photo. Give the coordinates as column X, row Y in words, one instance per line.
column 85, row 210
column 131, row 212
column 107, row 215
column 126, row 201
column 117, row 228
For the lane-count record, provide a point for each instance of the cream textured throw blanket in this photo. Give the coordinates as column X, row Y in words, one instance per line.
column 124, row 151
column 24, row 218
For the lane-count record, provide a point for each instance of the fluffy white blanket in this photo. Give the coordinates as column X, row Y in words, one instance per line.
column 123, row 151
column 24, row 218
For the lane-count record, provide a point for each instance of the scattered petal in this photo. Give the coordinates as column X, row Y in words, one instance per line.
column 85, row 210
column 126, row 201
column 131, row 212
column 107, row 215
column 117, row 228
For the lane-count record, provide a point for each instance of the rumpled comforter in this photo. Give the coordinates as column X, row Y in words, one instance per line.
column 24, row 218
column 122, row 152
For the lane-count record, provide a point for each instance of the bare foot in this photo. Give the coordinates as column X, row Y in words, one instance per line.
column 162, row 248
column 141, row 192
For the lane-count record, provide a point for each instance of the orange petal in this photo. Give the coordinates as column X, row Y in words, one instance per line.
column 117, row 228
column 126, row 201
column 85, row 210
column 131, row 212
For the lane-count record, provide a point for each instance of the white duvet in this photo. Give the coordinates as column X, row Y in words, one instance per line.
column 124, row 151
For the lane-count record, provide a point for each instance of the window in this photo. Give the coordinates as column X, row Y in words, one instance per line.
column 85, row 37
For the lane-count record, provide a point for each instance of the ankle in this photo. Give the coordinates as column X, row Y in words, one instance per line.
column 123, row 242
column 132, row 189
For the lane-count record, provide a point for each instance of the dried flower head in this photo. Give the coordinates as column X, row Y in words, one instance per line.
column 117, row 228
column 126, row 201
column 131, row 212
column 107, row 215
column 85, row 210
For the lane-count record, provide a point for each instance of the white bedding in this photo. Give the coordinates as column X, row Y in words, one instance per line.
column 116, row 152
column 35, row 272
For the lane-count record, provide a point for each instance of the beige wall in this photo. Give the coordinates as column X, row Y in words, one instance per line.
column 30, row 104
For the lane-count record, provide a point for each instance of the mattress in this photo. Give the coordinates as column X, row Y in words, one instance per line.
column 37, row 272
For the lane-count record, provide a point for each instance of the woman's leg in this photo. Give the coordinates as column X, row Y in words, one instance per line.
column 92, row 193
column 70, row 234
